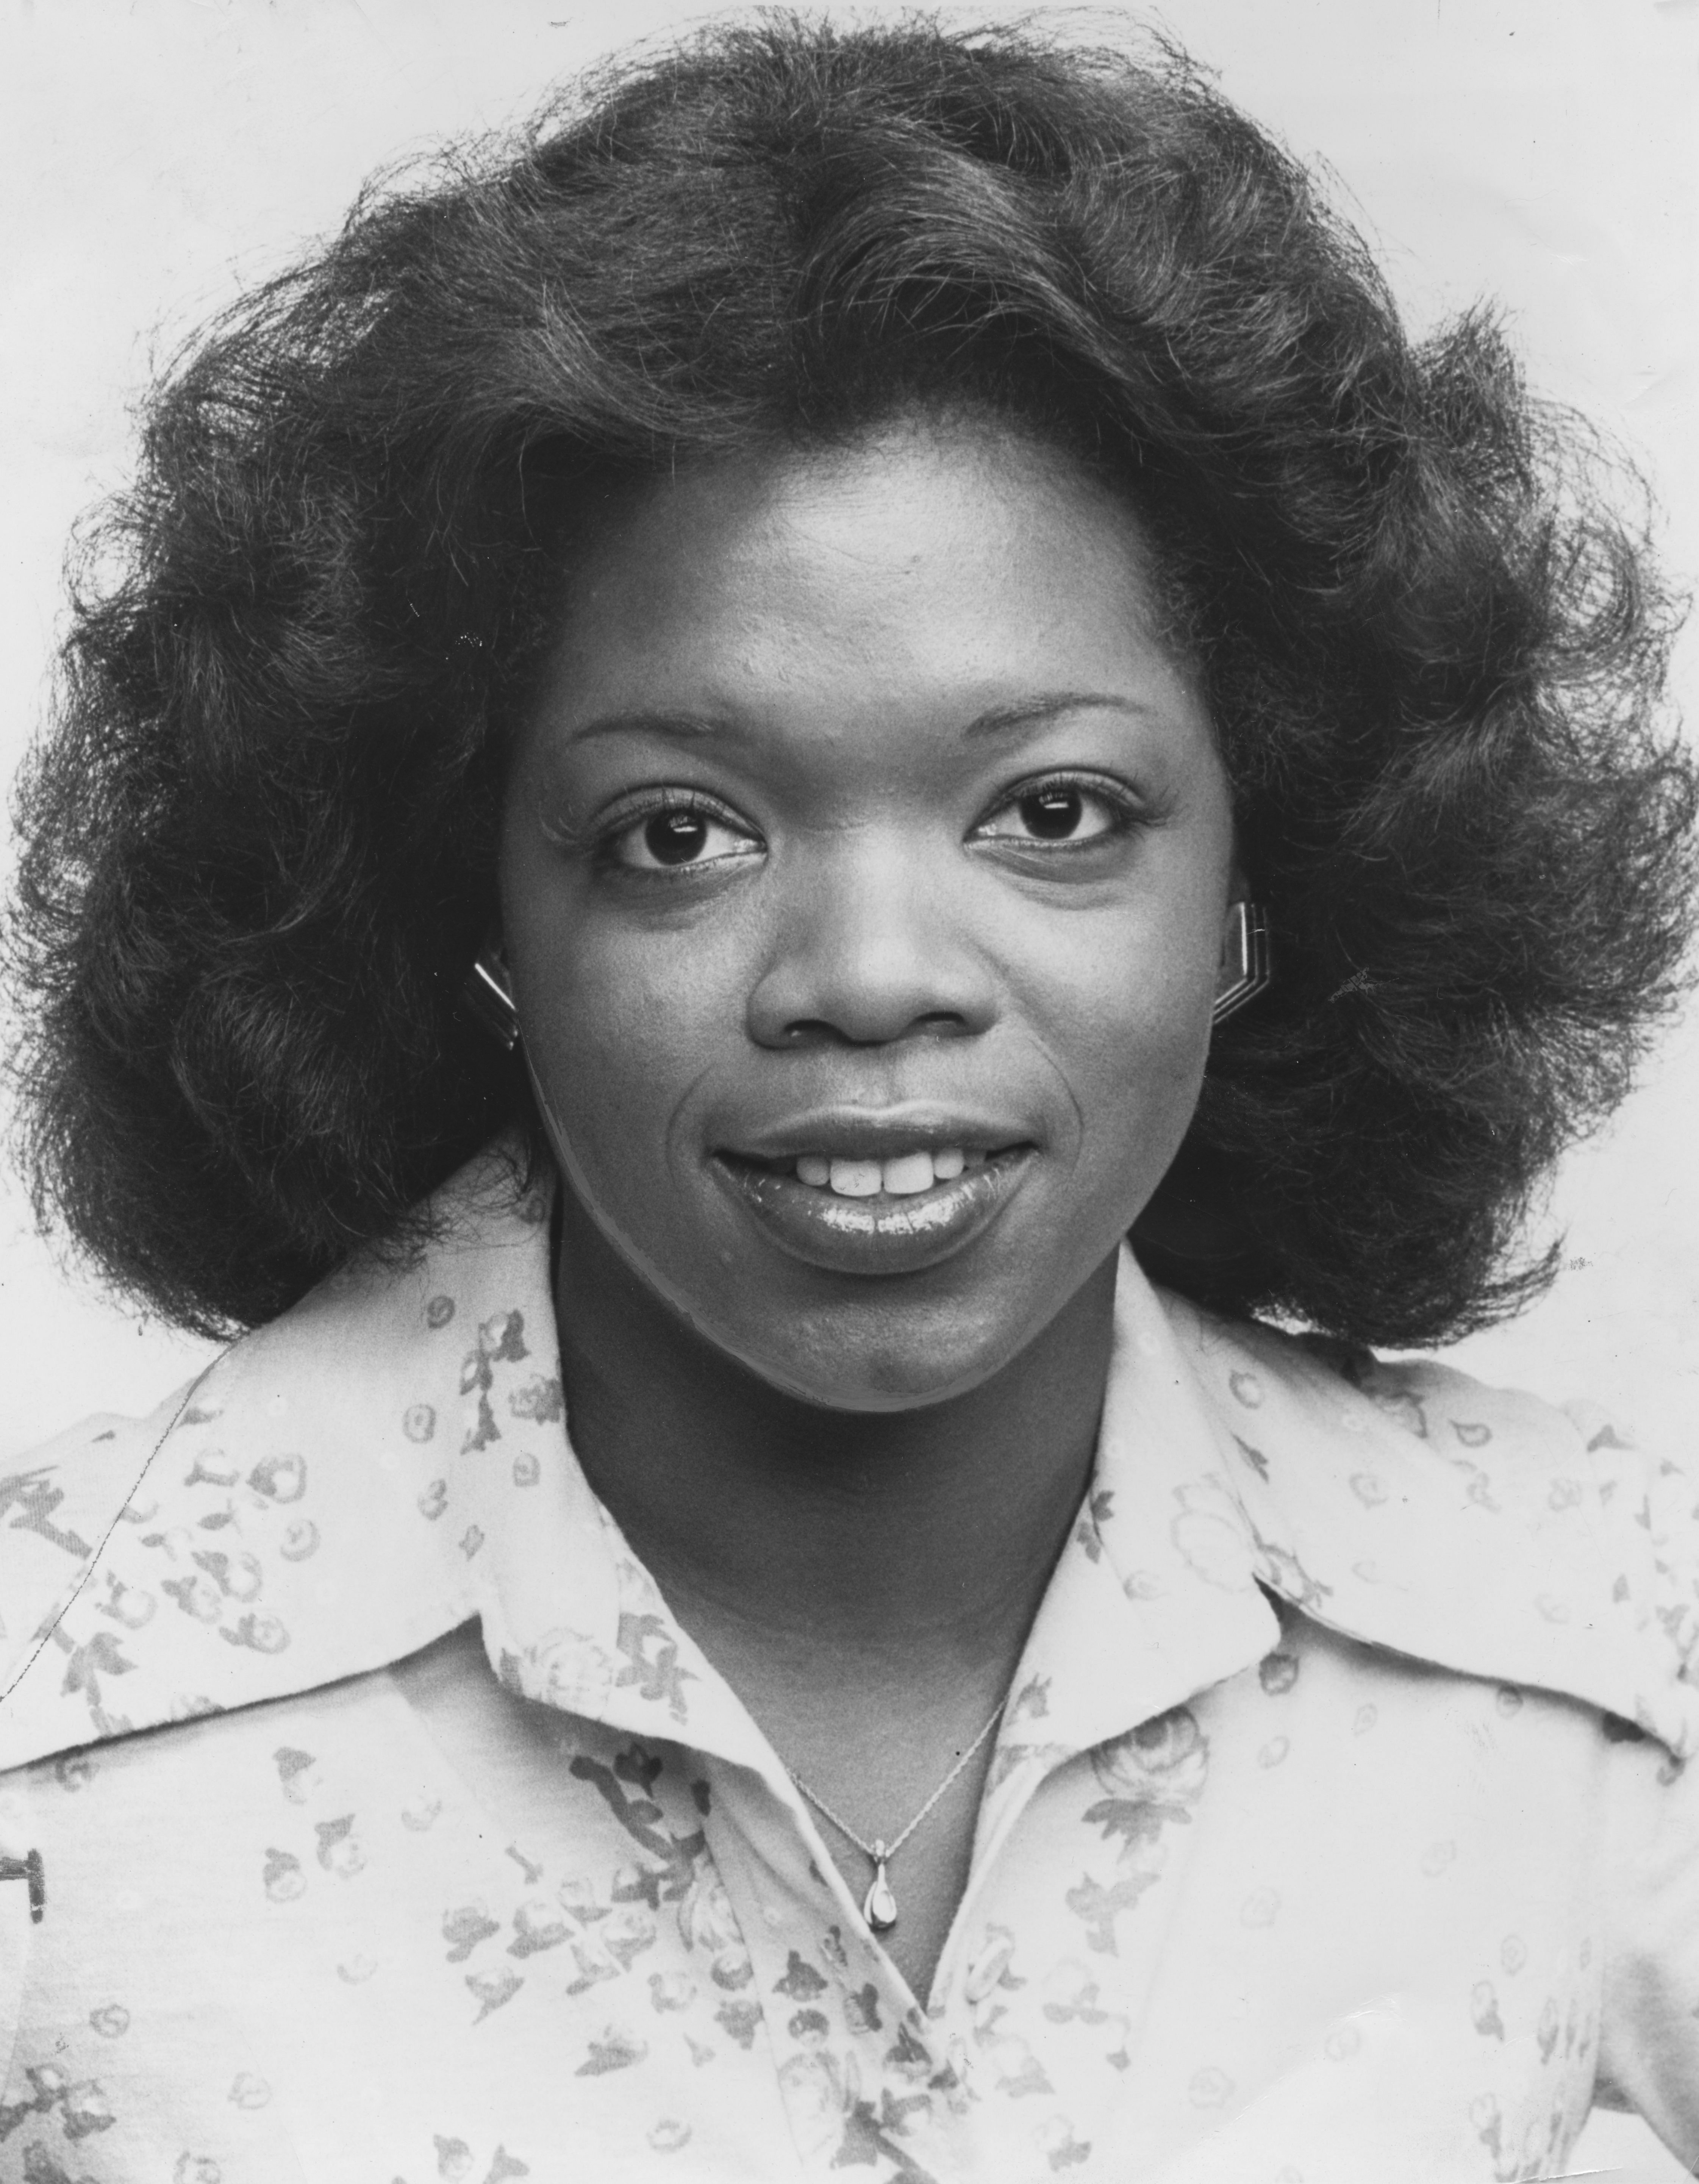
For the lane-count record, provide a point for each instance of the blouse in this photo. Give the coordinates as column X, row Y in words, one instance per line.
column 368, row 1815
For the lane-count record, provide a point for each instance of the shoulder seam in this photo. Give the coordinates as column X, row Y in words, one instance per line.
column 33, row 1652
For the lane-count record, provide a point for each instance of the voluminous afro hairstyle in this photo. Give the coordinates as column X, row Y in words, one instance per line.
column 260, row 838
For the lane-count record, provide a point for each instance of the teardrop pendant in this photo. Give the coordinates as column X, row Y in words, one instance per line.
column 879, row 1906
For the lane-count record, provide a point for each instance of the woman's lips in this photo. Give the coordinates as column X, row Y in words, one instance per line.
column 877, row 1234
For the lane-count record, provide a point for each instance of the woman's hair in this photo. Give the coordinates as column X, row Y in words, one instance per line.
column 259, row 838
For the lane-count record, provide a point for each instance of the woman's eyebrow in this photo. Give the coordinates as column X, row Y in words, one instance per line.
column 684, row 726
column 1048, row 705
column 1024, row 712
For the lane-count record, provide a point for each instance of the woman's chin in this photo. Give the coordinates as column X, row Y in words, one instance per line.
column 876, row 1386
column 891, row 1366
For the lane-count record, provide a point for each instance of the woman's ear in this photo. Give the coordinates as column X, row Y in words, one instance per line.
column 1246, row 958
column 487, row 995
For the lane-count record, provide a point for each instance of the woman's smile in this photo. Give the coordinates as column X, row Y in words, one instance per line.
column 879, row 1193
column 865, row 860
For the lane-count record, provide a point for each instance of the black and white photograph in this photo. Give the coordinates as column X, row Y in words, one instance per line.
column 847, row 1068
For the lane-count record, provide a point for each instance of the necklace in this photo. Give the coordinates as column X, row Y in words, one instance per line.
column 879, row 1905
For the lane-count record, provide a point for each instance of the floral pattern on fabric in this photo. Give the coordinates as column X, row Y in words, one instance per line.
column 453, row 1857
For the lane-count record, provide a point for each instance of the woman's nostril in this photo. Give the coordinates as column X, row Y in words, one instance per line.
column 812, row 1031
column 799, row 1001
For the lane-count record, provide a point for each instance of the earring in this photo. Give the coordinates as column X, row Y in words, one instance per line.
column 1247, row 960
column 488, row 997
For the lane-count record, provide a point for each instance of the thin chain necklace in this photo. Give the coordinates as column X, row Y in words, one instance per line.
column 879, row 1906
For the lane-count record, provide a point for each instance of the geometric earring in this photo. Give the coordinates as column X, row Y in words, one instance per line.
column 1247, row 960
column 489, row 998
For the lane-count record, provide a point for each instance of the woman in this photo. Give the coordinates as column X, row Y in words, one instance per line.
column 694, row 732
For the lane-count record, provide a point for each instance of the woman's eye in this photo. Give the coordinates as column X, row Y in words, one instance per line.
column 677, row 835
column 1056, row 811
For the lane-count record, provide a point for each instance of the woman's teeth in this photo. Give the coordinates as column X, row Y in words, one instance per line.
column 901, row 1177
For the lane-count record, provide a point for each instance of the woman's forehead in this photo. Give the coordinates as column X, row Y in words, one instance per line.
column 961, row 548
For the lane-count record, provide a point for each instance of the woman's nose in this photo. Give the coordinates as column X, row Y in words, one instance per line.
column 865, row 952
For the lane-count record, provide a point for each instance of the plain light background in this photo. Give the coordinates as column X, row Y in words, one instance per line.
column 155, row 155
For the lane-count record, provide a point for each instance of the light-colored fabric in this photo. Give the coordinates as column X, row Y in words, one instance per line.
column 1337, row 1828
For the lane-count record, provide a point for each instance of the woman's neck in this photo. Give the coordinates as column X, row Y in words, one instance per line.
column 909, row 1542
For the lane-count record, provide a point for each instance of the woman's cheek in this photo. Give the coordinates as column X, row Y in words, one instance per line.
column 1135, row 1069
column 1130, row 1004
column 630, row 1032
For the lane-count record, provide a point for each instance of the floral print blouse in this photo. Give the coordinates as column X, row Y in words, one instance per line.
column 367, row 1815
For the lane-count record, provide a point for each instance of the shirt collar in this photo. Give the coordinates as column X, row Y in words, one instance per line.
column 1474, row 1528
column 390, row 1459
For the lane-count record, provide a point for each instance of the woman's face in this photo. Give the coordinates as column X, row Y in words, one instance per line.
column 864, row 867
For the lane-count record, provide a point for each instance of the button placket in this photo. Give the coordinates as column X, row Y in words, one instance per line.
column 857, row 2061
